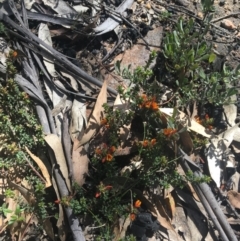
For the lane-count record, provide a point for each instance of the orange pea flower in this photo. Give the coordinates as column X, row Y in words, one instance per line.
column 144, row 97
column 98, row 151
column 109, row 157
column 104, row 121
column 57, row 201
column 97, row 194
column 153, row 142
column 14, row 54
column 132, row 216
column 147, row 104
column 207, row 117
column 137, row 204
column 154, row 106
column 197, row 119
column 169, row 132
column 145, row 143
column 112, row 149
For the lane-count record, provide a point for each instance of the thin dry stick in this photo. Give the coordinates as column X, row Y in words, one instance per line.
column 227, row 16
column 36, row 172
column 25, row 230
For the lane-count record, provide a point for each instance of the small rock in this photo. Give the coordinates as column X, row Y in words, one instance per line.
column 139, row 1
column 151, row 11
column 238, row 35
column 134, row 7
column 200, row 15
column 148, row 6
column 228, row 24
column 222, row 2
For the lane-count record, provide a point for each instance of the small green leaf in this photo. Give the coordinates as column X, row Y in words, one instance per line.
column 212, row 58
column 201, row 73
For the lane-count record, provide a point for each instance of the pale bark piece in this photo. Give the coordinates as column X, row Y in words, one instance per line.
column 120, row 228
column 60, row 6
column 214, row 158
column 231, row 113
column 55, row 143
column 218, row 146
column 55, row 96
column 235, row 182
column 62, row 231
column 48, row 228
column 45, row 35
column 60, row 106
column 95, row 118
column 228, row 136
column 193, row 191
column 119, row 104
column 80, row 163
column 156, row 209
column 197, row 225
column 171, row 203
column 111, row 23
column 28, row 4
column 181, row 225
column 42, row 167
column 234, row 198
column 78, row 118
column 190, row 124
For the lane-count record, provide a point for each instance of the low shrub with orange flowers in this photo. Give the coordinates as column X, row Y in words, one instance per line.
column 207, row 122
column 105, row 153
column 168, row 132
column 148, row 143
column 112, row 180
column 148, row 102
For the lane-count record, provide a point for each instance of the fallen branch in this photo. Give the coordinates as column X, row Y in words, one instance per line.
column 224, row 17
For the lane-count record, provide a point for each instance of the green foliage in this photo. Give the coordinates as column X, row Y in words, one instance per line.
column 111, row 191
column 3, row 29
column 164, row 16
column 4, row 210
column 186, row 56
column 193, row 179
column 19, row 127
column 17, row 215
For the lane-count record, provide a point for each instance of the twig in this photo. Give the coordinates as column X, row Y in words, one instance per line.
column 25, row 230
column 227, row 16
column 111, row 11
column 35, row 171
column 55, row 55
column 192, row 14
